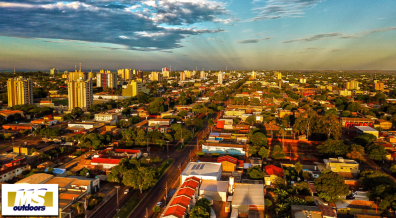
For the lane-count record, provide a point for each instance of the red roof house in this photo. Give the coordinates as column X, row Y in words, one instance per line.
column 274, row 170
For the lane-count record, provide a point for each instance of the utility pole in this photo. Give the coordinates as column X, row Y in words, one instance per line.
column 117, row 187
column 167, row 148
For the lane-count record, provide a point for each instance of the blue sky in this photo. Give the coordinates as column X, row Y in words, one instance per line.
column 210, row 34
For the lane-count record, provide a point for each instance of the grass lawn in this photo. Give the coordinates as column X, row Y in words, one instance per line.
column 134, row 200
column 164, row 166
column 61, row 101
column 129, row 206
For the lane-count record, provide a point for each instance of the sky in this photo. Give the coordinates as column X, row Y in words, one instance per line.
column 202, row 34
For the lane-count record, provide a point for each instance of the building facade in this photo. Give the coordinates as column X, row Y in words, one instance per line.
column 133, row 88
column 106, row 79
column 125, row 74
column 352, row 85
column 80, row 93
column 20, row 91
column 156, row 76
column 77, row 75
column 220, row 78
column 53, row 71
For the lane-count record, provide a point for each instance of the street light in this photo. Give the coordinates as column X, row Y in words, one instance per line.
column 117, row 187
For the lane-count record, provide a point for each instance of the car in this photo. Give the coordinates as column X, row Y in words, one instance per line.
column 159, row 204
column 126, row 191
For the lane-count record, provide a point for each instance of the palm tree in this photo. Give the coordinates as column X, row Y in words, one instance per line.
column 299, row 167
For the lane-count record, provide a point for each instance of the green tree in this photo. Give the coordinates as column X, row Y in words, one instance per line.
column 84, row 172
column 251, row 119
column 185, row 133
column 259, row 139
column 264, row 152
column 299, row 167
column 201, row 209
column 141, row 178
column 356, row 152
column 255, row 172
column 364, row 139
column 278, row 152
column 331, row 124
column 77, row 112
column 156, row 209
column 331, row 146
column 331, row 186
column 393, row 168
column 376, row 152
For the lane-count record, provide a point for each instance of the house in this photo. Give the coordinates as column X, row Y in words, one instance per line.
column 9, row 173
column 204, row 171
column 7, row 113
column 248, row 197
column 214, row 146
column 383, row 124
column 228, row 163
column 108, row 118
column 352, row 207
column 185, row 197
column 367, row 129
column 216, row 190
column 342, row 165
column 20, row 126
column 142, row 112
column 105, row 163
column 272, row 173
column 160, row 122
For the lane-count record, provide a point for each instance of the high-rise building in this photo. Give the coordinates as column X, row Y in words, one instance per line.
column 80, row 93
column 352, row 85
column 91, row 75
column 125, row 74
column 65, row 75
column 106, row 79
column 182, row 76
column 53, row 71
column 20, row 91
column 134, row 87
column 140, row 74
column 220, row 78
column 77, row 75
column 278, row 75
column 303, row 80
column 379, row 86
column 165, row 72
column 156, row 76
column 203, row 75
column 253, row 75
column 187, row 73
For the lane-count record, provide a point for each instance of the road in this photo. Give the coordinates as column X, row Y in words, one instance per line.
column 109, row 210
column 157, row 193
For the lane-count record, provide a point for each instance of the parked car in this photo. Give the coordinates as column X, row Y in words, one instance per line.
column 159, row 204
column 126, row 191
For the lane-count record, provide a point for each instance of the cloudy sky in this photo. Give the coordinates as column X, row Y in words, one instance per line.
column 210, row 34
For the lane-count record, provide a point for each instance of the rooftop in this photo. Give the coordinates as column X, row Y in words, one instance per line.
column 248, row 194
column 216, row 186
column 38, row 178
column 202, row 169
column 366, row 128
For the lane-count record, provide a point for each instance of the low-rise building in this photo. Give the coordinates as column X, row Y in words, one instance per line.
column 342, row 165
column 110, row 118
column 204, row 171
column 228, row 163
column 248, row 197
column 213, row 146
column 367, row 129
column 9, row 173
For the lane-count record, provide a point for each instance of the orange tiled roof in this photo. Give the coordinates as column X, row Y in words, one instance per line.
column 181, row 201
column 176, row 211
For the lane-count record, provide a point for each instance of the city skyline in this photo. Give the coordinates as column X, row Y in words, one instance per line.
column 185, row 34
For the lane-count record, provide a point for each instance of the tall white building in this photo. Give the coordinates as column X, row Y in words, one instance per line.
column 182, row 76
column 165, row 72
column 220, row 78
column 203, row 75
column 106, row 79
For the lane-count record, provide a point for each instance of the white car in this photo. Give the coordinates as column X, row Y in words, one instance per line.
column 126, row 191
column 159, row 204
